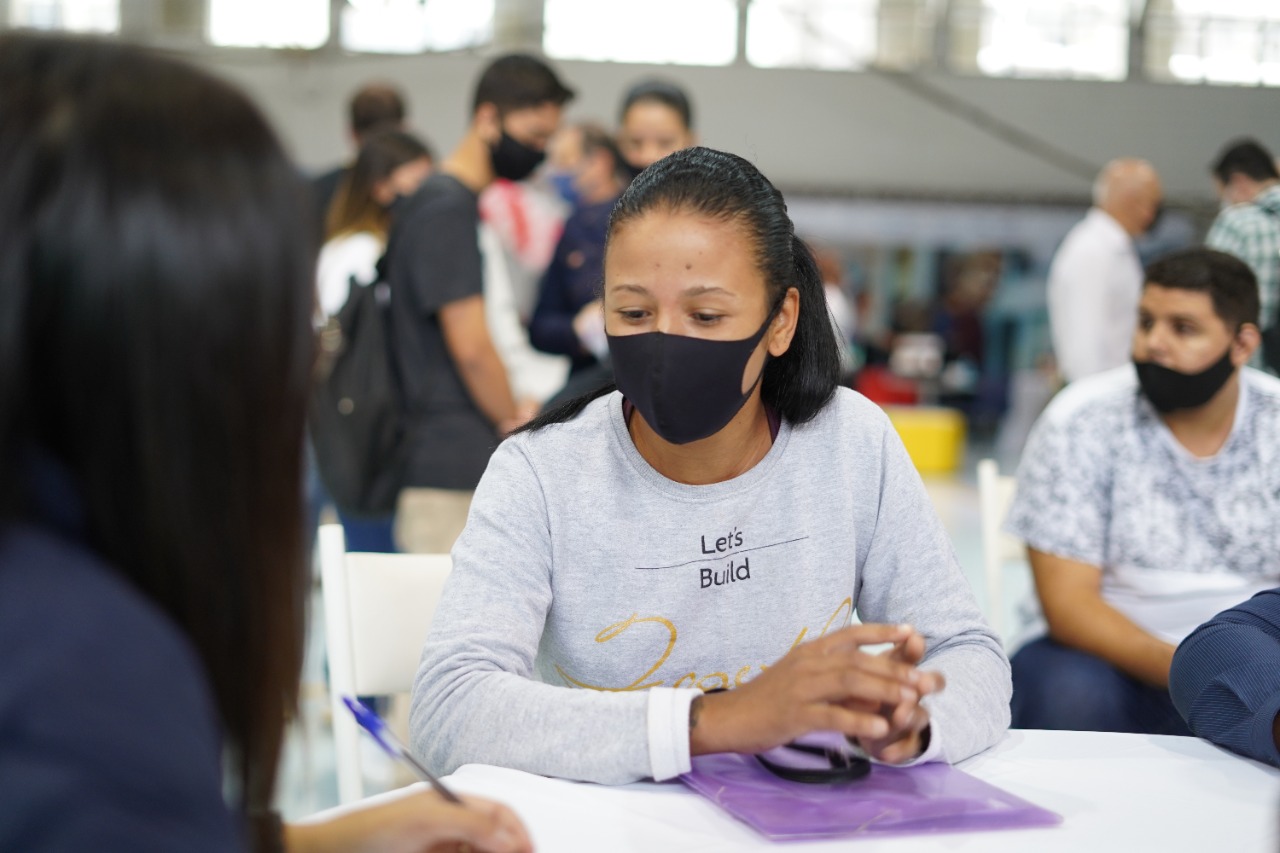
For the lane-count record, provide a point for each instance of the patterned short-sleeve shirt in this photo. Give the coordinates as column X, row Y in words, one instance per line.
column 1178, row 538
column 1251, row 232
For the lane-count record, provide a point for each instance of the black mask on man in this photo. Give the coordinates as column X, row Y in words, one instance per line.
column 514, row 160
column 686, row 388
column 1171, row 390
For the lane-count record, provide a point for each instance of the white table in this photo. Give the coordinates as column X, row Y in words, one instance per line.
column 1115, row 792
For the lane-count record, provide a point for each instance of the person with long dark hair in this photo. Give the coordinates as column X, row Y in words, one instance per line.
column 713, row 523
column 156, row 352
column 391, row 165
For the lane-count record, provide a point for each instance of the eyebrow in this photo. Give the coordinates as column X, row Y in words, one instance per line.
column 1178, row 318
column 697, row 290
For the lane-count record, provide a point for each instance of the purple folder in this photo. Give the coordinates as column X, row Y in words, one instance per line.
column 891, row 800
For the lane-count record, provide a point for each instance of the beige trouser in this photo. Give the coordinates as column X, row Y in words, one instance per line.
column 429, row 520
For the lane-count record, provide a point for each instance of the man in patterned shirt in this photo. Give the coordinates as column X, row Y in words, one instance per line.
column 1249, row 227
column 1149, row 499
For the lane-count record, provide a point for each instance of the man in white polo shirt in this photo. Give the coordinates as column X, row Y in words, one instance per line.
column 1149, row 499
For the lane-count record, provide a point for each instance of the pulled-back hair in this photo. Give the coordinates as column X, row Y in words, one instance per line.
column 1231, row 285
column 156, row 268
column 657, row 91
column 727, row 188
column 354, row 209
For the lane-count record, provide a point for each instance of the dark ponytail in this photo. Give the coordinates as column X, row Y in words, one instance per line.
column 725, row 187
column 802, row 380
column 568, row 410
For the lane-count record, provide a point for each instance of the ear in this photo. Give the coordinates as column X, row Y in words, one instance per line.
column 783, row 327
column 1245, row 343
column 487, row 122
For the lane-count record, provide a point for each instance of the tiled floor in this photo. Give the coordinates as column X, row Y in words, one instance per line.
column 308, row 781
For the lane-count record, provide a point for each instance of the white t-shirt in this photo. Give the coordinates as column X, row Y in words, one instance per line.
column 1178, row 538
column 1095, row 282
column 341, row 259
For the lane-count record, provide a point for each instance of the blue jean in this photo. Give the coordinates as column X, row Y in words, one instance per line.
column 1056, row 687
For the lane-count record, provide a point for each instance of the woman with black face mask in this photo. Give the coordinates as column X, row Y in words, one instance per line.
column 712, row 523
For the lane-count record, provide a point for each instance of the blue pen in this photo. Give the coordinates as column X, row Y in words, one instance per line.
column 374, row 725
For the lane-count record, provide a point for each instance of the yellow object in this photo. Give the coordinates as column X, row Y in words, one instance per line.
column 934, row 436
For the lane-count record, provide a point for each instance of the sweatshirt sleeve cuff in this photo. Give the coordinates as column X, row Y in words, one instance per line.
column 669, row 731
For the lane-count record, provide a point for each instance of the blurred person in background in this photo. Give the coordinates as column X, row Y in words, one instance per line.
column 374, row 107
column 391, row 165
column 656, row 120
column 565, row 319
column 844, row 315
column 1095, row 278
column 458, row 397
column 1248, row 227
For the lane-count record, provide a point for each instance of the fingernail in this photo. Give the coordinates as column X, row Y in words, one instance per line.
column 909, row 695
column 879, row 728
column 913, row 675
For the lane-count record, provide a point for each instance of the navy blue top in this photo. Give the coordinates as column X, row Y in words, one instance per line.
column 109, row 738
column 572, row 280
column 1225, row 679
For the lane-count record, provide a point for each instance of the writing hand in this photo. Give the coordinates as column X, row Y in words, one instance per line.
column 419, row 823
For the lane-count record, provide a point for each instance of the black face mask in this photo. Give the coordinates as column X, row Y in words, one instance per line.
column 686, row 388
column 1171, row 390
column 514, row 160
column 633, row 172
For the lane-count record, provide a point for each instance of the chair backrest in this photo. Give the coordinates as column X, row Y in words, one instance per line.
column 995, row 495
column 377, row 609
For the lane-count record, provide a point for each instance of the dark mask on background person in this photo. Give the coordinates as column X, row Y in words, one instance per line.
column 686, row 388
column 632, row 172
column 1171, row 390
column 514, row 160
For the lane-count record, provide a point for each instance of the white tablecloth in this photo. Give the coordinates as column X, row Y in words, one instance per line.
column 1115, row 792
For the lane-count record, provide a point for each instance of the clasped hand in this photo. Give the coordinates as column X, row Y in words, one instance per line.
column 828, row 684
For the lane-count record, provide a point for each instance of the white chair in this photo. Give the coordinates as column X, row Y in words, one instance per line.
column 995, row 495
column 377, row 609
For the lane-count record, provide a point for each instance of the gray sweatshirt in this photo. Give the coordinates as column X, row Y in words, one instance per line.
column 592, row 598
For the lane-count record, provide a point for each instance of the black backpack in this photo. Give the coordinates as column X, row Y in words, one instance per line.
column 356, row 416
